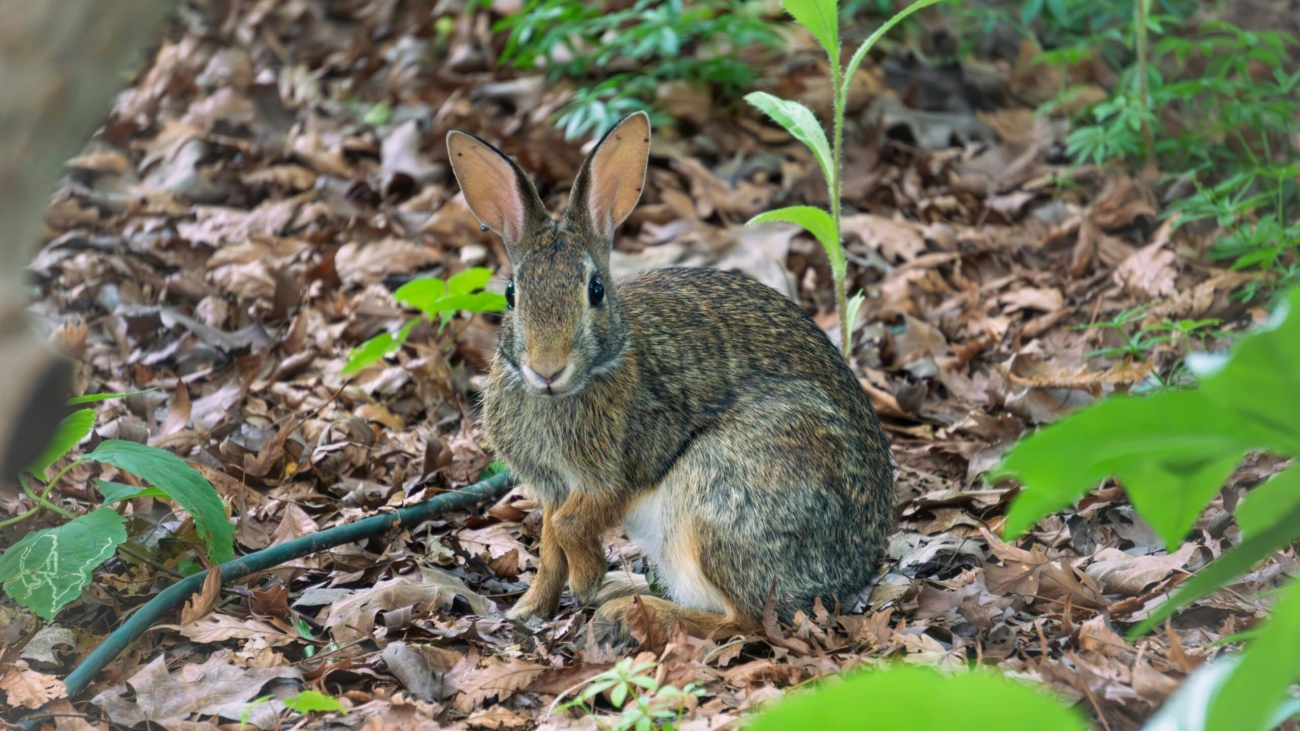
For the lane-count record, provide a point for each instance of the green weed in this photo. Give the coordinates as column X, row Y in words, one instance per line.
column 619, row 59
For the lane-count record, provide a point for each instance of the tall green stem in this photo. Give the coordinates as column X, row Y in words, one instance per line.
column 839, row 99
column 841, row 81
column 1140, row 35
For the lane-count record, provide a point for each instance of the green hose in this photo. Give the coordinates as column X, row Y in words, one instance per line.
column 173, row 596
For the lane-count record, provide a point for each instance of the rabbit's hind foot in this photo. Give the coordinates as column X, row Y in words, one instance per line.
column 616, row 618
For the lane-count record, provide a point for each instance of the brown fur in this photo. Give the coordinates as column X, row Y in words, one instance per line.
column 703, row 411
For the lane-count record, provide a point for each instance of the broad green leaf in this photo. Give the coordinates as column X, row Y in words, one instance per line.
column 908, row 698
column 867, row 45
column 376, row 349
column 314, row 700
column 1233, row 563
column 469, row 280
column 1269, row 666
column 418, row 293
column 1270, row 502
column 1171, row 451
column 1171, row 487
column 1261, row 380
column 799, row 121
column 74, row 427
column 47, row 569
column 93, row 397
column 182, row 484
column 476, row 302
column 818, row 223
column 434, row 299
column 116, row 492
column 821, row 18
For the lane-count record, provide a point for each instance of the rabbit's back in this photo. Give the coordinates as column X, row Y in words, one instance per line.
column 706, row 339
column 781, row 480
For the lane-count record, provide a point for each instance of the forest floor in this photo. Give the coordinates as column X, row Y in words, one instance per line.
column 277, row 168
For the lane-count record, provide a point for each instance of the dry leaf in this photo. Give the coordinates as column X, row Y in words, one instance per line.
column 499, row 680
column 222, row 628
column 353, row 618
column 26, row 688
column 203, row 600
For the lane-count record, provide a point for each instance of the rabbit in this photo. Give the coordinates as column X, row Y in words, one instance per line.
column 700, row 410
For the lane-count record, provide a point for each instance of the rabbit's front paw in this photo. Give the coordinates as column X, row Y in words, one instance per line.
column 585, row 591
column 586, row 577
column 541, row 599
column 527, row 608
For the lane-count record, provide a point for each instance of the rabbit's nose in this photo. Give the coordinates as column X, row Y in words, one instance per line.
column 550, row 379
column 553, row 377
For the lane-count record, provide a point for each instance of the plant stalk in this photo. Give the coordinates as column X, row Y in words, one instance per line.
column 839, row 95
column 1140, row 36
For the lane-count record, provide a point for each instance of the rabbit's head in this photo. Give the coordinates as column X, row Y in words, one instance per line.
column 562, row 325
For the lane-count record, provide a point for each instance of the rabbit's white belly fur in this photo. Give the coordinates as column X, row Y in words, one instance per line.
column 650, row 524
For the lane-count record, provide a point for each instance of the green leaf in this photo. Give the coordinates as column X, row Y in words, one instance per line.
column 1171, row 451
column 799, row 121
column 314, row 700
column 469, row 280
column 1261, row 380
column 853, row 305
column 376, row 349
column 47, row 569
column 434, row 298
column 871, row 41
column 821, row 18
column 1264, row 506
column 74, row 427
column 1267, row 669
column 419, row 293
column 1233, row 563
column 818, row 223
column 477, row 302
column 907, row 698
column 116, row 492
column 378, row 115
column 182, row 484
column 93, row 397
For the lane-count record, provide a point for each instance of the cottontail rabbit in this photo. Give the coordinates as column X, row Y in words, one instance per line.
column 702, row 411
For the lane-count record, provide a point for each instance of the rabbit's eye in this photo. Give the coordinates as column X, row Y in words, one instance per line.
column 595, row 291
column 510, row 294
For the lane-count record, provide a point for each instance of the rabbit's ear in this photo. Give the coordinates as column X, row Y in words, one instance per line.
column 610, row 182
column 497, row 191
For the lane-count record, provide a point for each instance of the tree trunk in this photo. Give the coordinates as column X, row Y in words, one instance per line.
column 61, row 61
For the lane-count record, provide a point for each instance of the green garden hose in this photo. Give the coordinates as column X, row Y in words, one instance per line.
column 176, row 594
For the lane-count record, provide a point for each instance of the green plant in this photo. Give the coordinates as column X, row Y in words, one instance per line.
column 626, row 680
column 620, row 58
column 821, row 18
column 1172, row 452
column 304, row 702
column 309, row 701
column 1235, row 136
column 1251, row 208
column 908, row 698
column 1145, row 338
column 433, row 297
column 47, row 569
